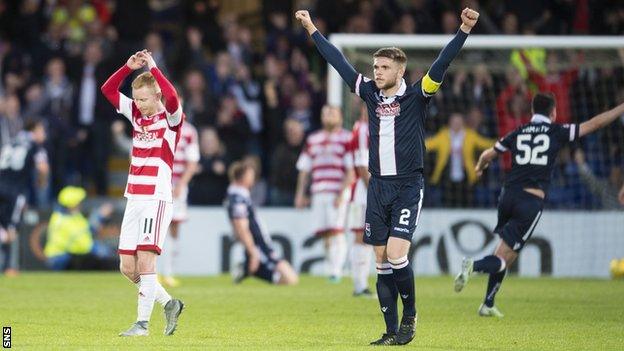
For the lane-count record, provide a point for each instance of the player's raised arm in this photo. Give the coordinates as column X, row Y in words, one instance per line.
column 110, row 88
column 601, row 120
column 329, row 52
column 172, row 102
column 432, row 80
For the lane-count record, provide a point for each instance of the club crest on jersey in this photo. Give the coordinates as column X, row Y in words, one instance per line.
column 388, row 110
column 145, row 135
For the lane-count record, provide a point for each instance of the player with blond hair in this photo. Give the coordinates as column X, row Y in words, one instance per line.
column 156, row 131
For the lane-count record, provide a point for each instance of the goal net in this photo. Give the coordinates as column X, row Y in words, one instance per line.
column 488, row 89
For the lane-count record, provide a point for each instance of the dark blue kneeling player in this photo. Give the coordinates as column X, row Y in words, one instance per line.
column 260, row 259
column 396, row 113
column 534, row 148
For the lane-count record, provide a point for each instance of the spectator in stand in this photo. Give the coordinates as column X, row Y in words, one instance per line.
column 302, row 110
column 220, row 75
column 233, row 128
column 210, row 182
column 247, row 93
column 556, row 80
column 199, row 105
column 154, row 44
column 283, row 175
column 605, row 190
column 11, row 122
column 59, row 95
column 512, row 102
column 456, row 148
column 92, row 118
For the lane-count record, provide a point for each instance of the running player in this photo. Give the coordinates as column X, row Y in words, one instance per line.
column 534, row 148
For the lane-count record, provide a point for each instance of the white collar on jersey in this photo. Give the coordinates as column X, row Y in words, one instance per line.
column 238, row 190
column 537, row 118
column 399, row 92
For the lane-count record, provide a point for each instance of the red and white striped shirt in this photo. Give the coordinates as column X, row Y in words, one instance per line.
column 154, row 138
column 328, row 157
column 359, row 144
column 359, row 147
column 187, row 151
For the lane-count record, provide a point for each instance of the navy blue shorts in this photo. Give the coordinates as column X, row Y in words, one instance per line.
column 268, row 264
column 392, row 209
column 518, row 215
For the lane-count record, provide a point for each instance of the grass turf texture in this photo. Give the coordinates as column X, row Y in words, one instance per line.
column 87, row 311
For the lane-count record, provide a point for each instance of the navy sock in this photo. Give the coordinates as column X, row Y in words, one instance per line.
column 6, row 256
column 403, row 275
column 387, row 294
column 494, row 284
column 488, row 264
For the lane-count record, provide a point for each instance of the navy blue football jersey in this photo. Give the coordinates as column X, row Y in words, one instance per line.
column 396, row 127
column 534, row 148
column 239, row 205
column 17, row 162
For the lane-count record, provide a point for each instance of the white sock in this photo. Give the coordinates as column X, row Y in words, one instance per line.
column 361, row 256
column 169, row 255
column 337, row 254
column 147, row 292
column 161, row 295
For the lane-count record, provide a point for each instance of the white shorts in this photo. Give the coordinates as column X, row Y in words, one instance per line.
column 144, row 226
column 357, row 207
column 327, row 217
column 180, row 206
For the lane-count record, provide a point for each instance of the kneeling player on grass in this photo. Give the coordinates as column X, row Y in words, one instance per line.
column 156, row 130
column 260, row 259
column 534, row 148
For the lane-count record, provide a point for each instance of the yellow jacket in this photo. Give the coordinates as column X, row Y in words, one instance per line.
column 441, row 143
column 68, row 233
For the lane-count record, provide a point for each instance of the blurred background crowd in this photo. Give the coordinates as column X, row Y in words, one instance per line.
column 253, row 85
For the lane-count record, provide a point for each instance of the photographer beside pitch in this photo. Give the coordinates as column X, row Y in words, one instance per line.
column 397, row 113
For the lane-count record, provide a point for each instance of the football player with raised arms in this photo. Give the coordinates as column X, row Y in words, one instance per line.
column 396, row 113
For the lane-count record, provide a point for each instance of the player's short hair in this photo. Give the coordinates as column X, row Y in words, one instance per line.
column 145, row 79
column 393, row 53
column 238, row 169
column 32, row 123
column 543, row 103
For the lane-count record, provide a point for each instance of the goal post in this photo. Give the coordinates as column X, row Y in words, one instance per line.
column 343, row 41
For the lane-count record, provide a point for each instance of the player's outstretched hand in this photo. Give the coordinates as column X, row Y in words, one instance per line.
column 303, row 16
column 135, row 62
column 469, row 18
column 147, row 57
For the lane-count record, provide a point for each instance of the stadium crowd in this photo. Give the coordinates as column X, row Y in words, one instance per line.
column 254, row 85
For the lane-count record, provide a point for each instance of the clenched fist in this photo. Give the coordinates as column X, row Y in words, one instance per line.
column 303, row 16
column 469, row 18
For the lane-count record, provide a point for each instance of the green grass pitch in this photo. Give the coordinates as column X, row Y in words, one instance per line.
column 87, row 311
